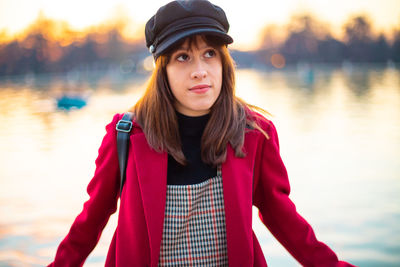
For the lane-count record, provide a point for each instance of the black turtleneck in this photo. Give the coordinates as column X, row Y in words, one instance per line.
column 195, row 171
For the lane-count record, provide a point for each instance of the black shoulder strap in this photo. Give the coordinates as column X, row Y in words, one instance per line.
column 123, row 127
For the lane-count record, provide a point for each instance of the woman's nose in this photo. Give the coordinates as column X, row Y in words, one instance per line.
column 199, row 71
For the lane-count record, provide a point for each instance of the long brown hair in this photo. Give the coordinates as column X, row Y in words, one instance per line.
column 229, row 115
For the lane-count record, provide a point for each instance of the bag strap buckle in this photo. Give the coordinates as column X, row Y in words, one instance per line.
column 124, row 126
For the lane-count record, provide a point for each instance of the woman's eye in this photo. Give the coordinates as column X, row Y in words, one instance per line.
column 182, row 57
column 210, row 53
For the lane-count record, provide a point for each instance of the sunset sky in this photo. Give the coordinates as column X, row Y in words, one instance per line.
column 247, row 18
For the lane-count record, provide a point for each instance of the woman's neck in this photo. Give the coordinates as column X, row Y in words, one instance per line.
column 192, row 126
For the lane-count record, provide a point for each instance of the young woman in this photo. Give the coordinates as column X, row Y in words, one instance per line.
column 199, row 159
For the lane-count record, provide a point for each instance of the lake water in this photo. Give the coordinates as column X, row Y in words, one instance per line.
column 339, row 132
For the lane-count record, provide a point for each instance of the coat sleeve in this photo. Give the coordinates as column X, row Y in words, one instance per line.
column 103, row 192
column 278, row 212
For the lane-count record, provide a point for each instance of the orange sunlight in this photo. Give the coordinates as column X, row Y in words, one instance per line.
column 247, row 21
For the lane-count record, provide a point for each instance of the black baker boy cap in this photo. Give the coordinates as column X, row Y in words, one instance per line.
column 180, row 19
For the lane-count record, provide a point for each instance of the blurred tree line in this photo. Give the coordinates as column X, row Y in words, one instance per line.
column 50, row 46
column 309, row 40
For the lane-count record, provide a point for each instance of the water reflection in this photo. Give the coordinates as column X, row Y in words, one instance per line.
column 339, row 135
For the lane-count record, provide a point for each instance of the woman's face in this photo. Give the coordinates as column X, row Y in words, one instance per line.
column 195, row 77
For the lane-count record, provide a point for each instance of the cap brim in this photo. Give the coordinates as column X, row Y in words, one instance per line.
column 172, row 39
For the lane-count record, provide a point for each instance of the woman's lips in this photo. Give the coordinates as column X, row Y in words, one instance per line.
column 200, row 89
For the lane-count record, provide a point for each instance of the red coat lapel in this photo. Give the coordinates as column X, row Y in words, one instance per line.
column 152, row 176
column 237, row 176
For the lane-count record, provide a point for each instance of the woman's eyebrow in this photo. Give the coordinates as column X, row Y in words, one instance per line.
column 183, row 49
column 187, row 49
column 205, row 46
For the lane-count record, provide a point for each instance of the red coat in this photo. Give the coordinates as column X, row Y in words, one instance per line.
column 137, row 239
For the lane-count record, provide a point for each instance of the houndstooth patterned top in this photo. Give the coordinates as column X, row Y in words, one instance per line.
column 194, row 226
